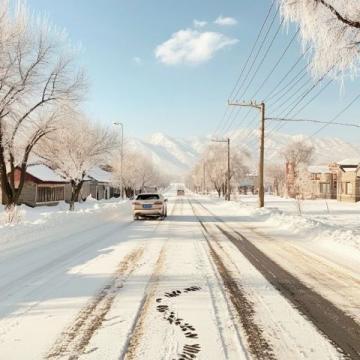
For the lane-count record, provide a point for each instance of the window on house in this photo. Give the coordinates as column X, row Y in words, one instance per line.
column 50, row 194
column 348, row 188
column 324, row 188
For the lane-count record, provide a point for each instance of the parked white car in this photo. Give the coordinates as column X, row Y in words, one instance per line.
column 149, row 204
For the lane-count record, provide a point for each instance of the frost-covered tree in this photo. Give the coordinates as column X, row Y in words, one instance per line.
column 331, row 28
column 38, row 79
column 297, row 154
column 138, row 172
column 275, row 173
column 76, row 148
column 215, row 162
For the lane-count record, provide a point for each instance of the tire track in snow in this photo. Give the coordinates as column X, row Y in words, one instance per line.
column 341, row 329
column 137, row 330
column 258, row 345
column 138, row 325
column 74, row 340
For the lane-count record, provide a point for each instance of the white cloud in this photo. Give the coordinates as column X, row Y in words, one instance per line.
column 199, row 23
column 225, row 21
column 191, row 47
column 137, row 60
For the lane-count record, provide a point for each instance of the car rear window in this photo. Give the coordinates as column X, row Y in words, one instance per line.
column 148, row 197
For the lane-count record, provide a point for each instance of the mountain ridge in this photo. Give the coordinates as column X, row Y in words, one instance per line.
column 176, row 156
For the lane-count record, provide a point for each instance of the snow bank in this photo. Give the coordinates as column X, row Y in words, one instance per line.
column 34, row 223
column 310, row 229
column 337, row 229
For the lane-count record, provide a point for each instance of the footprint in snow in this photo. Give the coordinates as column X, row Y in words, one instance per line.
column 189, row 352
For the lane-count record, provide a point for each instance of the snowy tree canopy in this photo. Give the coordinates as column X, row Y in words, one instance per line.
column 138, row 170
column 331, row 28
column 38, row 79
column 214, row 162
column 77, row 147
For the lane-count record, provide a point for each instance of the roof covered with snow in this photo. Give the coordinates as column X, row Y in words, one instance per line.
column 99, row 175
column 349, row 162
column 44, row 173
column 319, row 169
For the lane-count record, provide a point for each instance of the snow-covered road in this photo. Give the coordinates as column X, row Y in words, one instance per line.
column 206, row 283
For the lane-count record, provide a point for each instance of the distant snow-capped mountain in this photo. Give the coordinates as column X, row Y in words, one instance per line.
column 176, row 156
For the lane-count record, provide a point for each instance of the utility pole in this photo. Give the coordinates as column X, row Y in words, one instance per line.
column 121, row 158
column 228, row 189
column 204, row 177
column 228, row 170
column 261, row 107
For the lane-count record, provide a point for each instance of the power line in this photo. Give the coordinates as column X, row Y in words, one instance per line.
column 247, row 61
column 261, row 46
column 268, row 76
column 271, row 93
column 314, row 97
column 337, row 115
column 254, row 62
column 252, row 50
column 261, row 62
column 313, row 121
column 275, row 128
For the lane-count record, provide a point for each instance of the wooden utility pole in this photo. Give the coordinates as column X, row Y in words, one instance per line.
column 228, row 171
column 228, row 177
column 204, row 183
column 261, row 107
column 262, row 157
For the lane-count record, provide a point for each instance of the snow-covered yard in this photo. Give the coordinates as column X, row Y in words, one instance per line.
column 328, row 225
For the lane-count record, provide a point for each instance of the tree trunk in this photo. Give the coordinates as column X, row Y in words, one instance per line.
column 75, row 192
column 11, row 193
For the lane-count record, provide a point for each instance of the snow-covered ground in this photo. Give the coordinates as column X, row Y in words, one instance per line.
column 319, row 246
column 94, row 284
column 328, row 225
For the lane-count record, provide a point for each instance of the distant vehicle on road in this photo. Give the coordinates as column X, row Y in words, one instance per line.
column 180, row 192
column 149, row 205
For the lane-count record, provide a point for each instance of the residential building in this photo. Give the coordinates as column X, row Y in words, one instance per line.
column 100, row 184
column 349, row 180
column 323, row 182
column 42, row 186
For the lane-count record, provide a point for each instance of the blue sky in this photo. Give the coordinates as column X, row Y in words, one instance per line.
column 179, row 97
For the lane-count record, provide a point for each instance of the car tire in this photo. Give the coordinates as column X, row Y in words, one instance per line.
column 136, row 217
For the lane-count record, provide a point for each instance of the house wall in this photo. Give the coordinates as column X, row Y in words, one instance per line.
column 101, row 190
column 349, row 177
column 28, row 194
column 323, row 186
column 85, row 191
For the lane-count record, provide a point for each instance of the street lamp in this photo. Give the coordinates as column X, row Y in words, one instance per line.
column 121, row 157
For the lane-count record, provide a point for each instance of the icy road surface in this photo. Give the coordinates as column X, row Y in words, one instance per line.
column 206, row 283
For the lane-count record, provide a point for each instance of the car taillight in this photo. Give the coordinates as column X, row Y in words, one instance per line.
column 158, row 203
column 136, row 203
